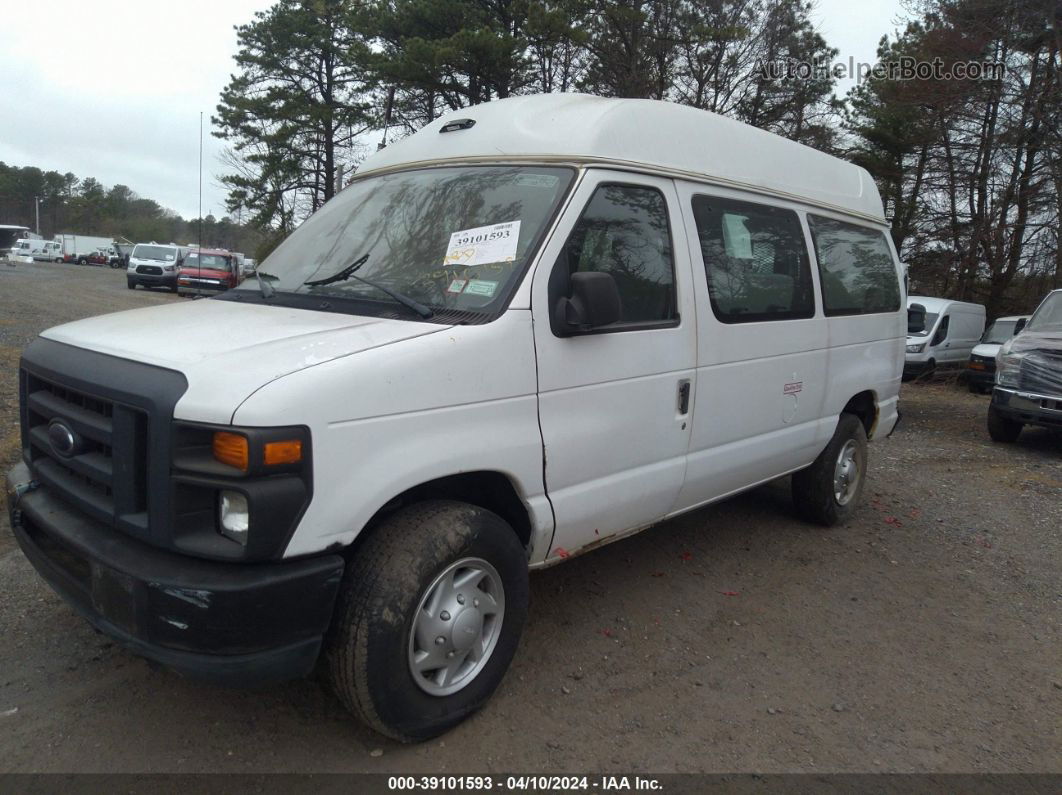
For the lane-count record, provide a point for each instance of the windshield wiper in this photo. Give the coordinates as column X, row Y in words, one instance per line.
column 267, row 290
column 349, row 273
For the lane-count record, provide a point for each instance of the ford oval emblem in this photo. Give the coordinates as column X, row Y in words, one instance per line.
column 62, row 438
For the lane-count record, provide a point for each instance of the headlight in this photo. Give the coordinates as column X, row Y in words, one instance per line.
column 234, row 516
column 168, row 267
column 1008, row 368
column 916, row 348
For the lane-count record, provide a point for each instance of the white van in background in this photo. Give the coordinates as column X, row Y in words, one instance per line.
column 952, row 329
column 981, row 367
column 524, row 331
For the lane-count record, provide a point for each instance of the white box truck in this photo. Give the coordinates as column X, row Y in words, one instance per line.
column 78, row 248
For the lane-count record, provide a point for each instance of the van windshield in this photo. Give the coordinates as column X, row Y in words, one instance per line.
column 160, row 253
column 453, row 238
column 931, row 320
column 215, row 262
column 1048, row 317
column 999, row 332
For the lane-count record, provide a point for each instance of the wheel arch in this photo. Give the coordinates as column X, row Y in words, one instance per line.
column 864, row 405
column 489, row 489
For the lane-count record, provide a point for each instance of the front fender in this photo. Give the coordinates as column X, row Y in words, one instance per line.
column 389, row 419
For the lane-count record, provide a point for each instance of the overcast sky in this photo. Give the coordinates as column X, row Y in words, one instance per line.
column 113, row 90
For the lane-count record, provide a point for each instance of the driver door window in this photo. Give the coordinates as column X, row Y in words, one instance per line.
column 942, row 331
column 624, row 231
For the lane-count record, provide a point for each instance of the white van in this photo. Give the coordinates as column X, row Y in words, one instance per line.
column 36, row 249
column 155, row 265
column 981, row 366
column 952, row 329
column 525, row 331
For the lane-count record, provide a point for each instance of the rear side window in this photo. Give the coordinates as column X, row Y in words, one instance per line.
column 624, row 231
column 855, row 267
column 755, row 260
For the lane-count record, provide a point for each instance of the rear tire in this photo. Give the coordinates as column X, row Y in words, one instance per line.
column 1002, row 429
column 384, row 624
column 829, row 491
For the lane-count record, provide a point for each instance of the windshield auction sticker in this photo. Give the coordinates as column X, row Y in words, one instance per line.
column 495, row 243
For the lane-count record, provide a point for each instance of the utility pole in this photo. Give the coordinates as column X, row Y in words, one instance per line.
column 37, row 210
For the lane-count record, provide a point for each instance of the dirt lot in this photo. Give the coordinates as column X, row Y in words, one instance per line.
column 923, row 636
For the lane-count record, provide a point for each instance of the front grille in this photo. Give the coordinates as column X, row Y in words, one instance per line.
column 149, row 270
column 105, row 476
column 1041, row 372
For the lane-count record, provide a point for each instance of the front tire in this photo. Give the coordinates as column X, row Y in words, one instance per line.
column 428, row 620
column 1002, row 429
column 130, row 284
column 829, row 491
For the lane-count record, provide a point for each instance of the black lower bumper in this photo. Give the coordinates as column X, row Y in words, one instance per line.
column 915, row 369
column 983, row 379
column 167, row 280
column 230, row 623
column 1028, row 408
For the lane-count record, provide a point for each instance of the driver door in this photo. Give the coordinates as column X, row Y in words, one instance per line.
column 615, row 402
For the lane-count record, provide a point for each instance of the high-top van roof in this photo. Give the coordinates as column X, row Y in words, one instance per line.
column 643, row 134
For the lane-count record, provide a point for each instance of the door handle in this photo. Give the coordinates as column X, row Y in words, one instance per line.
column 684, row 396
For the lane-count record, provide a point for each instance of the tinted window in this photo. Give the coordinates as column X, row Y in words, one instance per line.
column 624, row 231
column 755, row 260
column 942, row 331
column 855, row 267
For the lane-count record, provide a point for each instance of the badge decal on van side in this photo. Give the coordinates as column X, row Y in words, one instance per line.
column 793, row 387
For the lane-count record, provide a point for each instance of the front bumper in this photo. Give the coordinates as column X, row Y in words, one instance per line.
column 1028, row 407
column 201, row 289
column 984, row 376
column 230, row 623
column 915, row 369
column 152, row 279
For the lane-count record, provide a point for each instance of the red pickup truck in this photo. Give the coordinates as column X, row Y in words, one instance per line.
column 208, row 272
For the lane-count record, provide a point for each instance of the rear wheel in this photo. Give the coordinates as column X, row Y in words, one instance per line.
column 829, row 491
column 429, row 617
column 82, row 261
column 1002, row 429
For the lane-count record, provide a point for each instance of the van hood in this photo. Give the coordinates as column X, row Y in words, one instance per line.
column 986, row 349
column 227, row 349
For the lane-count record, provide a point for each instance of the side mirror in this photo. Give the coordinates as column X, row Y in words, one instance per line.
column 916, row 319
column 594, row 303
column 1019, row 326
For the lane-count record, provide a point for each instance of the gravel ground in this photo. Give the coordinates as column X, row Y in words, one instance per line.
column 923, row 636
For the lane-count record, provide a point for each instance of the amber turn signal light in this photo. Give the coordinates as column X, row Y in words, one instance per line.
column 231, row 449
column 288, row 451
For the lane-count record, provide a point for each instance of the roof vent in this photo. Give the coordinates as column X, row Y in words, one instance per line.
column 457, row 124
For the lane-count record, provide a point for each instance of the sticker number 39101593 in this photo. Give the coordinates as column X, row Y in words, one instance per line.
column 494, row 243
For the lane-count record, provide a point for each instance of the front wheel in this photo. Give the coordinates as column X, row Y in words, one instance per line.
column 1002, row 429
column 429, row 617
column 130, row 284
column 829, row 491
